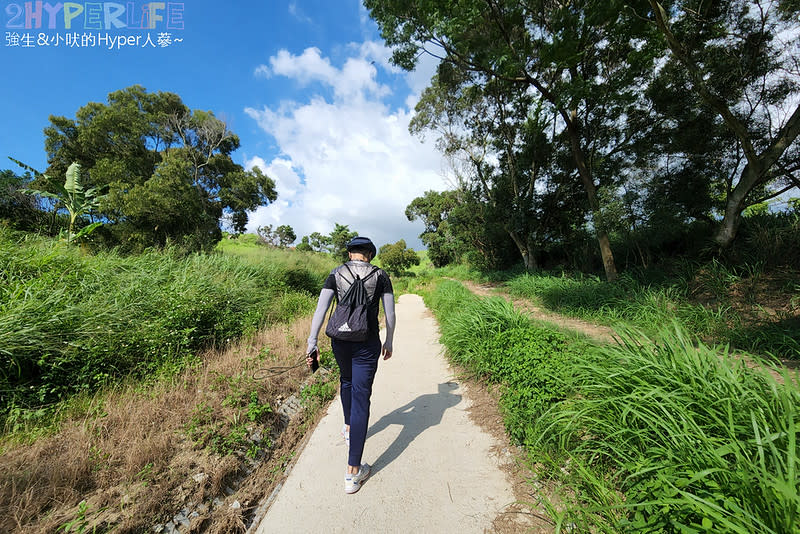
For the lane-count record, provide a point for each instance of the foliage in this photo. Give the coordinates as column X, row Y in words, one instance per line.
column 71, row 323
column 317, row 394
column 339, row 237
column 20, row 210
column 488, row 337
column 730, row 67
column 655, row 298
column 319, row 242
column 669, row 119
column 692, row 438
column 433, row 209
column 281, row 237
column 304, row 245
column 396, row 258
column 546, row 96
column 167, row 170
column 207, row 427
column 653, row 434
column 71, row 195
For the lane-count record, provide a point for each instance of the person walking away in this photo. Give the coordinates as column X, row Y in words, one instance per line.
column 356, row 355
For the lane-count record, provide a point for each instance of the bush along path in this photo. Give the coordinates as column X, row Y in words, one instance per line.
column 651, row 434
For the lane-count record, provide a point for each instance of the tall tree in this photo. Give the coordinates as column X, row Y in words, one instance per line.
column 585, row 59
column 734, row 59
column 434, row 209
column 339, row 237
column 286, row 235
column 168, row 170
column 319, row 242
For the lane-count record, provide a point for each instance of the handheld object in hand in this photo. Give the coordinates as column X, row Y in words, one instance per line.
column 314, row 360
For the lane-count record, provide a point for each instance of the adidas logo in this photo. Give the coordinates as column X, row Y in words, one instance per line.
column 345, row 328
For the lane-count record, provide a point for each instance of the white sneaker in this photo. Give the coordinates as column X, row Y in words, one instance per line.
column 352, row 483
column 346, row 435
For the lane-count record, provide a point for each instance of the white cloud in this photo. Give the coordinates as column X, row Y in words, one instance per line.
column 355, row 77
column 262, row 71
column 297, row 13
column 348, row 159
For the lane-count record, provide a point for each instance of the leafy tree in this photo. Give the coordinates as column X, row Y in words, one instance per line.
column 304, row 245
column 728, row 58
column 285, row 235
column 168, row 170
column 340, row 236
column 17, row 208
column 267, row 236
column 319, row 242
column 397, row 258
column 585, row 60
column 434, row 209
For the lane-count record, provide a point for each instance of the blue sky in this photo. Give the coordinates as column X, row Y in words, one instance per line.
column 306, row 84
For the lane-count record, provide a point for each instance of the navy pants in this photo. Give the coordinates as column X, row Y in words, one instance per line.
column 358, row 361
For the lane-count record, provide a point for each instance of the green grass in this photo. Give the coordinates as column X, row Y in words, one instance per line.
column 650, row 304
column 693, row 440
column 657, row 434
column 500, row 345
column 73, row 322
column 246, row 247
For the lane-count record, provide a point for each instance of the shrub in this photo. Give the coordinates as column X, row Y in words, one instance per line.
column 73, row 322
column 490, row 338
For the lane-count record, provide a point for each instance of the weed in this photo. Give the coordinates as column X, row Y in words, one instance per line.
column 72, row 322
column 256, row 410
column 316, row 394
column 649, row 306
column 691, row 438
column 145, row 474
column 80, row 523
column 656, row 434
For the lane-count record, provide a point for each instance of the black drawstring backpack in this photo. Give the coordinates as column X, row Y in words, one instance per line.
column 348, row 321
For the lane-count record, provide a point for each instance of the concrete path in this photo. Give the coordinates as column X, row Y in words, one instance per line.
column 433, row 470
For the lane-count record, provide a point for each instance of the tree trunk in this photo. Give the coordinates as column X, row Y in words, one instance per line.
column 734, row 205
column 591, row 192
column 526, row 249
column 758, row 164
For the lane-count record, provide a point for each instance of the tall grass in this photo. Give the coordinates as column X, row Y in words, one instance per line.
column 72, row 322
column 676, row 437
column 648, row 306
column 498, row 344
column 659, row 434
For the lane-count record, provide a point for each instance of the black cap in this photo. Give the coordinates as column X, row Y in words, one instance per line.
column 362, row 242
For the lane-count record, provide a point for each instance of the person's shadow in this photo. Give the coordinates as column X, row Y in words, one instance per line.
column 415, row 417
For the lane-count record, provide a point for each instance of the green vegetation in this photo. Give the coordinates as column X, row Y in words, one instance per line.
column 165, row 171
column 71, row 322
column 661, row 434
column 497, row 343
column 649, row 304
column 72, row 196
column 599, row 135
column 396, row 258
column 693, row 439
